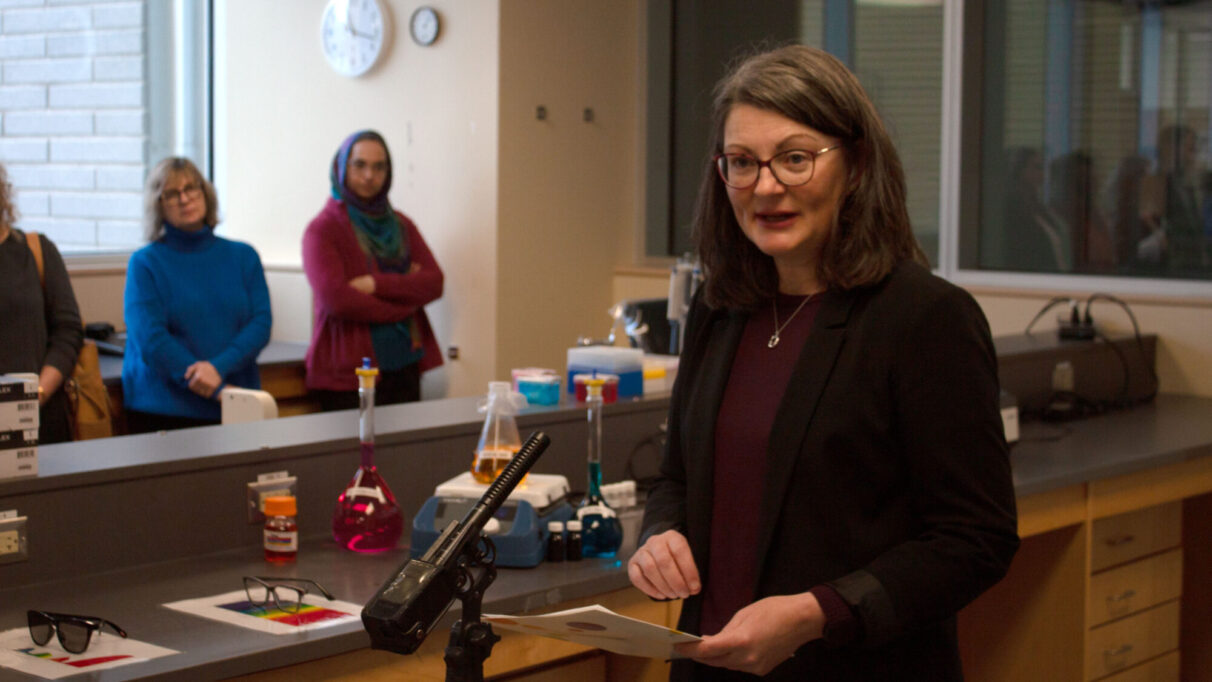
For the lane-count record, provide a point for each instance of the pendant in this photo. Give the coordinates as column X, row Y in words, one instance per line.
column 774, row 340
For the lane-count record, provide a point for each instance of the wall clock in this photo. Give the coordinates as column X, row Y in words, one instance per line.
column 354, row 35
column 424, row 25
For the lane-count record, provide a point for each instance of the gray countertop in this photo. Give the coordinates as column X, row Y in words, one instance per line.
column 1050, row 456
column 1173, row 428
column 210, row 649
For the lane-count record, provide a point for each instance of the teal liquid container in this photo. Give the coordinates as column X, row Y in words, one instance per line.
column 602, row 533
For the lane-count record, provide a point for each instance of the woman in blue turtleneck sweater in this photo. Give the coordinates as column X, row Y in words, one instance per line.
column 197, row 307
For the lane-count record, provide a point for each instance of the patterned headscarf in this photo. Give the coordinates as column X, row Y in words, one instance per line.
column 374, row 220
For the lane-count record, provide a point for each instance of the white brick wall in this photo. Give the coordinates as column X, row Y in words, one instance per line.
column 130, row 122
column 97, row 204
column 22, row 46
column 33, row 203
column 22, row 97
column 47, row 20
column 97, row 149
column 48, row 70
column 48, row 176
column 120, row 232
column 17, row 149
column 62, row 230
column 128, row 178
column 94, row 43
column 48, row 123
column 73, row 121
column 97, row 96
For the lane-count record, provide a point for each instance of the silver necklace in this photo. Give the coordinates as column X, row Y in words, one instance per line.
column 778, row 328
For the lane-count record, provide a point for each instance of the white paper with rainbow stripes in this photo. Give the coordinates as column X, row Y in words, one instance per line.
column 234, row 608
column 51, row 662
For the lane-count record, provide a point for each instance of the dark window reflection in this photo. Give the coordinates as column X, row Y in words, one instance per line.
column 1094, row 142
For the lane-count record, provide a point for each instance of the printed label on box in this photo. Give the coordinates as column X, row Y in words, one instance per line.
column 20, row 462
column 18, row 415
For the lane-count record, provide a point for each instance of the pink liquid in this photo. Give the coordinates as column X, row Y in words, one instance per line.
column 367, row 518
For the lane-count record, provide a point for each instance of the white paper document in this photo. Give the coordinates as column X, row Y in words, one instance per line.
column 234, row 608
column 105, row 650
column 601, row 628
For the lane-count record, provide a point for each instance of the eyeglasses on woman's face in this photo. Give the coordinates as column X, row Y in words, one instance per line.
column 189, row 191
column 790, row 168
column 263, row 590
column 74, row 631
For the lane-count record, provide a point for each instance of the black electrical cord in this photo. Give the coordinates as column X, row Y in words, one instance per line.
column 1067, row 405
column 1140, row 344
column 1049, row 306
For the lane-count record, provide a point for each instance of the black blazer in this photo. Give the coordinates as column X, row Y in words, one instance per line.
column 888, row 477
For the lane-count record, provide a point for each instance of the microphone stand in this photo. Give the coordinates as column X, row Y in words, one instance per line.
column 459, row 565
column 471, row 639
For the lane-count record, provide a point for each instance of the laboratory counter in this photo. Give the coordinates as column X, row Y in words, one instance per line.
column 120, row 526
column 211, row 650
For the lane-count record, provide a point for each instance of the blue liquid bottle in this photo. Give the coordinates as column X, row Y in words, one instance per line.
column 602, row 534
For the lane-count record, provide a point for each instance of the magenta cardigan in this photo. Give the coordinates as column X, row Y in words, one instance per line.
column 340, row 335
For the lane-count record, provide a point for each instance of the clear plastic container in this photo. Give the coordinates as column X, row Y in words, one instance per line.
column 367, row 517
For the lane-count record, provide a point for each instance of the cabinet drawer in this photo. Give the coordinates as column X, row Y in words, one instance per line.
column 1124, row 643
column 1164, row 669
column 1133, row 587
column 1121, row 538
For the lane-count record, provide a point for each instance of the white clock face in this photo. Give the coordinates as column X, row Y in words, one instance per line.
column 424, row 26
column 353, row 33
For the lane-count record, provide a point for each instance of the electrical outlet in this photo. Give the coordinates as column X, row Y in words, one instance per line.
column 280, row 484
column 14, row 545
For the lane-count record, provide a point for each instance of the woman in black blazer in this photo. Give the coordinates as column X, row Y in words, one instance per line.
column 836, row 484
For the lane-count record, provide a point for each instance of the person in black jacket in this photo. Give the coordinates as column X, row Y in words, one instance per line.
column 836, row 483
column 40, row 330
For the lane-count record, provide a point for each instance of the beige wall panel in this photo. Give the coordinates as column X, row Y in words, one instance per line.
column 567, row 191
column 284, row 112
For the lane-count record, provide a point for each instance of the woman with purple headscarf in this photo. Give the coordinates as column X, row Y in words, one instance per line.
column 371, row 273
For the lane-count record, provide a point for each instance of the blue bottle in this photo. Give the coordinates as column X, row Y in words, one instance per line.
column 602, row 534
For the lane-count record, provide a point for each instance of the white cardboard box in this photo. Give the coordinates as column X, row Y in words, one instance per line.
column 19, row 462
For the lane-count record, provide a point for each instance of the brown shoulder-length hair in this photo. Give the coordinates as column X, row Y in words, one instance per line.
column 8, row 211
column 153, row 208
column 871, row 233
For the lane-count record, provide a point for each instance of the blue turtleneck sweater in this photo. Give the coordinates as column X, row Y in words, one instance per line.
column 192, row 296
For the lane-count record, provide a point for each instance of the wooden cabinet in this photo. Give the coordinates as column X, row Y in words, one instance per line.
column 1122, row 538
column 1110, row 584
column 1122, row 644
column 1135, row 588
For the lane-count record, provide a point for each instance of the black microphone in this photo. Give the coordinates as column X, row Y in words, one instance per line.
column 410, row 604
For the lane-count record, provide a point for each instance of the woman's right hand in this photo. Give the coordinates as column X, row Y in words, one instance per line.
column 364, row 284
column 663, row 568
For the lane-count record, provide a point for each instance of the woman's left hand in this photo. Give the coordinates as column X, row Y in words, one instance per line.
column 761, row 635
column 49, row 381
column 203, row 378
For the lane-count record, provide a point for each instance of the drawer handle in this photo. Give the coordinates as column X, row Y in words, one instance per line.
column 1123, row 596
column 1120, row 540
column 1110, row 654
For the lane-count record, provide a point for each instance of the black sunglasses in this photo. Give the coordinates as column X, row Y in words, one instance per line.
column 261, row 590
column 74, row 631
